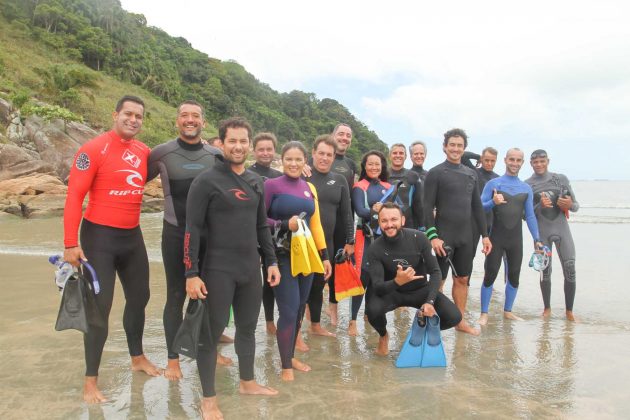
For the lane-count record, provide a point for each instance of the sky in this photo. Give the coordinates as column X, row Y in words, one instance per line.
column 537, row 74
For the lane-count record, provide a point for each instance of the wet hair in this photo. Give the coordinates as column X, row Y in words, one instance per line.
column 293, row 144
column 395, row 145
column 456, row 132
column 490, row 150
column 340, row 125
column 129, row 98
column 390, row 205
column 266, row 136
column 190, row 102
column 384, row 175
column 326, row 139
column 234, row 122
column 415, row 143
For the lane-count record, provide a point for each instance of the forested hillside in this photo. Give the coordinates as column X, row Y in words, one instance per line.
column 76, row 53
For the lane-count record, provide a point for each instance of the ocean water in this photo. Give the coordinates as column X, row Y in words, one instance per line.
column 530, row 369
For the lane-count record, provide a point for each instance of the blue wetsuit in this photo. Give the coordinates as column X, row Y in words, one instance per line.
column 507, row 234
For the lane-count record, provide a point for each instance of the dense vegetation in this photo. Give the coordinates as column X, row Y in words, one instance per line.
column 95, row 41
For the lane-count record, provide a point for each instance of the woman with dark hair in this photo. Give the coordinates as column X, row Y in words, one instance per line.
column 368, row 195
column 287, row 197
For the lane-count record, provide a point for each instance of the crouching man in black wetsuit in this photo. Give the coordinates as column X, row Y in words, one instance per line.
column 227, row 202
column 399, row 262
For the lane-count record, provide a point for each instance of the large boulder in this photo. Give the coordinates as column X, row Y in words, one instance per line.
column 16, row 162
column 5, row 111
column 33, row 185
column 42, row 205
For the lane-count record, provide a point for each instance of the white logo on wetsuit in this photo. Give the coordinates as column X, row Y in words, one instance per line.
column 83, row 162
column 131, row 159
column 331, row 182
column 306, row 193
column 134, row 179
column 402, row 262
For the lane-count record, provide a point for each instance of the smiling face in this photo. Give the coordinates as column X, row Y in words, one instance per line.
column 323, row 157
column 343, row 138
column 128, row 121
column 418, row 154
column 454, row 149
column 264, row 152
column 190, row 123
column 539, row 165
column 397, row 157
column 373, row 166
column 236, row 145
column 391, row 221
column 513, row 162
column 293, row 162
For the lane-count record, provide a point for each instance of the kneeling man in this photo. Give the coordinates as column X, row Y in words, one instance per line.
column 399, row 262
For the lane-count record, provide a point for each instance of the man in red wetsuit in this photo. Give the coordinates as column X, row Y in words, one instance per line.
column 112, row 168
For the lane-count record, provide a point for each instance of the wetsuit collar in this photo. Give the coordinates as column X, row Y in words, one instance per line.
column 188, row 146
column 395, row 238
column 418, row 168
column 114, row 135
column 291, row 179
column 452, row 165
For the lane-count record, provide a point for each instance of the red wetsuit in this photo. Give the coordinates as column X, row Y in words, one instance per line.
column 114, row 171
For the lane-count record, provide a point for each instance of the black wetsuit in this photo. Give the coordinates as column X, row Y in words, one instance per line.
column 266, row 172
column 231, row 209
column 333, row 199
column 420, row 171
column 178, row 163
column 483, row 177
column 451, row 189
column 410, row 194
column 409, row 248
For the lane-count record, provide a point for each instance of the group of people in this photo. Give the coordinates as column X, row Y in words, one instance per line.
column 225, row 224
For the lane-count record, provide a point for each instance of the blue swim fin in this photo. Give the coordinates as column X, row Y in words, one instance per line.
column 433, row 354
column 411, row 351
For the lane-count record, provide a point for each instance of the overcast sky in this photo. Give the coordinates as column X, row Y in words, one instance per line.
column 537, row 74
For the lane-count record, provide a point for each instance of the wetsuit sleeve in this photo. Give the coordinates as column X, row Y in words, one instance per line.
column 82, row 173
column 530, row 216
column 432, row 267
column 430, row 197
column 576, row 206
column 478, row 213
column 264, row 235
column 196, row 209
column 486, row 196
column 270, row 190
column 378, row 283
column 417, row 206
column 316, row 226
column 346, row 210
column 153, row 168
column 358, row 203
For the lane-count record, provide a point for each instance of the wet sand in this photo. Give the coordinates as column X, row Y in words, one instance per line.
column 528, row 369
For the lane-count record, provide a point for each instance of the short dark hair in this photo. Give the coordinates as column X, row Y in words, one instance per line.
column 190, row 102
column 129, row 98
column 326, row 139
column 490, row 150
column 384, row 175
column 234, row 122
column 293, row 144
column 266, row 136
column 213, row 139
column 390, row 205
column 456, row 132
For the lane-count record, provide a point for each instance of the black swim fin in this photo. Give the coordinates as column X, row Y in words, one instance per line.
column 72, row 311
column 189, row 338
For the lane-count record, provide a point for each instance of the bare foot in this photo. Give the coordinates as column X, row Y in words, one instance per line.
column 307, row 312
column 287, row 375
column 271, row 327
column 173, row 372
column 332, row 311
column 483, row 319
column 210, row 409
column 301, row 366
column 91, row 393
column 223, row 360
column 463, row 326
column 546, row 313
column 254, row 388
column 142, row 364
column 225, row 339
column 352, row 329
column 383, row 345
column 317, row 329
column 571, row 317
column 300, row 345
column 510, row 315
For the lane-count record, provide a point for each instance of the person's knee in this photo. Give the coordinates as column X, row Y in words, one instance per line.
column 569, row 271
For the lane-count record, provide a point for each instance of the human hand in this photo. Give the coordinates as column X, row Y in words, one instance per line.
column 406, row 275
column 498, row 198
column 74, row 255
column 196, row 288
column 273, row 275
column 487, row 246
column 438, row 247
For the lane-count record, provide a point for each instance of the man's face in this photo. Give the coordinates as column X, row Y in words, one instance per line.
column 391, row 221
column 264, row 152
column 373, row 166
column 190, row 123
column 236, row 145
column 454, row 149
column 128, row 121
column 343, row 138
column 397, row 156
column 418, row 155
column 539, row 165
column 513, row 162
column 488, row 160
column 323, row 157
